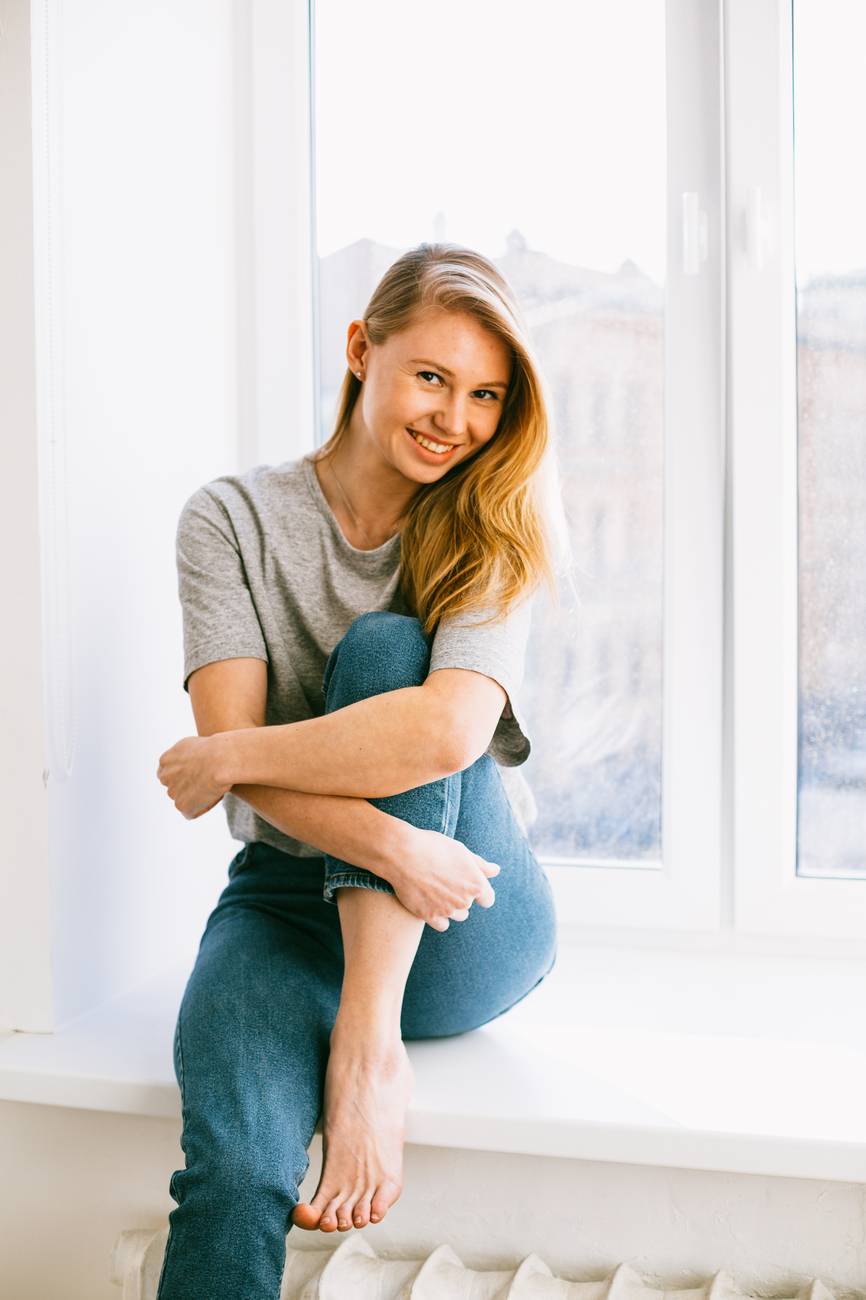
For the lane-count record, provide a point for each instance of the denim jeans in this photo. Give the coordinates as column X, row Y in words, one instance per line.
column 252, row 1036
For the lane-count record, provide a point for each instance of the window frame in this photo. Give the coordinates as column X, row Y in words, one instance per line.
column 768, row 895
column 726, row 875
column 682, row 892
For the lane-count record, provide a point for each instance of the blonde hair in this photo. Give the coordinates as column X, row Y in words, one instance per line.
column 492, row 529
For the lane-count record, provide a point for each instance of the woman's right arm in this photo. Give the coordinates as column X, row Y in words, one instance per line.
column 431, row 874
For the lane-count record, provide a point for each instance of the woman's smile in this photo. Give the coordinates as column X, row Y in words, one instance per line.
column 427, row 451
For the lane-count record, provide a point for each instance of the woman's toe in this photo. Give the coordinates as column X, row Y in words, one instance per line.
column 344, row 1212
column 386, row 1194
column 361, row 1215
column 328, row 1221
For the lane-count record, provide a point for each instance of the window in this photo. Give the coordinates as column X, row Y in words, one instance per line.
column 830, row 222
column 589, row 266
column 654, row 264
column 796, row 318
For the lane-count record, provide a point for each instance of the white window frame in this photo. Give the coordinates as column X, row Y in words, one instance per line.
column 276, row 207
column 682, row 893
column 768, row 895
column 726, row 876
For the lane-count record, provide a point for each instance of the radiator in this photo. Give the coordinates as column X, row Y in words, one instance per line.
column 353, row 1271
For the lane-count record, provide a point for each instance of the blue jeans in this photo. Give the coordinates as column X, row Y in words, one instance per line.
column 252, row 1036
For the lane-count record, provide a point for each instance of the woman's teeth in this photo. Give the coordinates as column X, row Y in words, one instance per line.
column 425, row 442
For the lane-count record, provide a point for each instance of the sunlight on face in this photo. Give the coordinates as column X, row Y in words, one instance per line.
column 407, row 385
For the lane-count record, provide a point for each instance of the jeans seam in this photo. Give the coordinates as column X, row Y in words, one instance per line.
column 170, row 1241
column 447, row 810
column 180, row 1055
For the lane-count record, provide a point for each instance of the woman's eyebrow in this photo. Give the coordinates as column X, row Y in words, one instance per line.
column 438, row 364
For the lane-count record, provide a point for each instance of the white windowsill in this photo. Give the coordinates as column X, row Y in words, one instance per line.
column 749, row 1064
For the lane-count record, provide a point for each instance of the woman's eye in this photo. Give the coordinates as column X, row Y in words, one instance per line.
column 422, row 373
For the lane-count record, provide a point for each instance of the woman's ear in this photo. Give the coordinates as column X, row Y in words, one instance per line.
column 356, row 346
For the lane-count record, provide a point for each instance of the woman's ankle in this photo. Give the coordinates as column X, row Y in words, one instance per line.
column 376, row 1027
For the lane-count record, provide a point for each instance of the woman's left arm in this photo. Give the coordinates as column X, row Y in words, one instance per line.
column 379, row 746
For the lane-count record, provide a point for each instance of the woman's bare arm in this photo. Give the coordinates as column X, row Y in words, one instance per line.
column 345, row 827
column 379, row 746
column 232, row 693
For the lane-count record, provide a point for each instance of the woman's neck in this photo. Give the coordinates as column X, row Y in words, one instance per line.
column 369, row 500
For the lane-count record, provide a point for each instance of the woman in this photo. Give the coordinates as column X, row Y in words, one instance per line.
column 370, row 604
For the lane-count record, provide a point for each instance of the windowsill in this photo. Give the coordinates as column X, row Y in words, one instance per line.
column 747, row 1064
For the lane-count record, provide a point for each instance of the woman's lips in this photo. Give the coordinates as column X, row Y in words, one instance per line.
column 426, row 452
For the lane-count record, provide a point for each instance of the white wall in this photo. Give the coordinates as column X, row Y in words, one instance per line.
column 676, row 1227
column 137, row 388
column 166, row 243
column 25, row 903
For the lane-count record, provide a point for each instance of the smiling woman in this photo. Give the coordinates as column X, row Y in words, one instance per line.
column 387, row 583
column 406, row 416
column 484, row 526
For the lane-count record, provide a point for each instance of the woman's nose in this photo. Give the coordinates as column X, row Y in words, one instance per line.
column 453, row 418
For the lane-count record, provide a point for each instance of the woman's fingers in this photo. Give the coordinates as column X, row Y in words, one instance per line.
column 486, row 895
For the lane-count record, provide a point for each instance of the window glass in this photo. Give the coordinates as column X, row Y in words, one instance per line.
column 538, row 138
column 830, row 229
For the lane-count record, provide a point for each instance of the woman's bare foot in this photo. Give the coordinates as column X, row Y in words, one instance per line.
column 368, row 1086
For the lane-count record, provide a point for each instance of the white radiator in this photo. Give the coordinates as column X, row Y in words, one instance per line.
column 353, row 1271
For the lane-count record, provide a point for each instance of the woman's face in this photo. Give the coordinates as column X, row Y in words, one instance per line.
column 445, row 377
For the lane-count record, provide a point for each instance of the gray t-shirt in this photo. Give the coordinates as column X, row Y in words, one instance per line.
column 265, row 571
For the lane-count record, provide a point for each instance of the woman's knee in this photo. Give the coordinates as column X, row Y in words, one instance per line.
column 380, row 651
column 427, row 1014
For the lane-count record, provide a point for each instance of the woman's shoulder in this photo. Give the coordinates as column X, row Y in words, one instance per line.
column 259, row 493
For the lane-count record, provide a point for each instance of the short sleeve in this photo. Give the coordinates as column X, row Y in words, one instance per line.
column 499, row 651
column 219, row 616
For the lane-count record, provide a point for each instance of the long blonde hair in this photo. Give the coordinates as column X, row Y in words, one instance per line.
column 492, row 529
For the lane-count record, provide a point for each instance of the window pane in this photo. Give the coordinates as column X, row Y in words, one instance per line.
column 538, row 137
column 830, row 212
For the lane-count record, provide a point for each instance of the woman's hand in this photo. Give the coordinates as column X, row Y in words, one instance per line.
column 439, row 878
column 189, row 772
